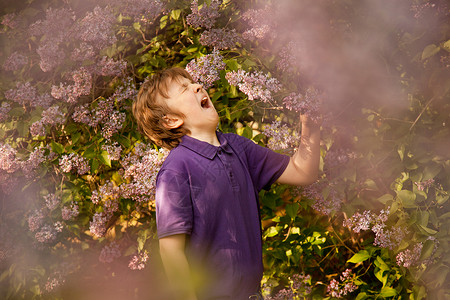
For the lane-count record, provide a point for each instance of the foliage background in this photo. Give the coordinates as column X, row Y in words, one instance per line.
column 77, row 217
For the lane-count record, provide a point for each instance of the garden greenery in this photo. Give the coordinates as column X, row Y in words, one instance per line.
column 77, row 178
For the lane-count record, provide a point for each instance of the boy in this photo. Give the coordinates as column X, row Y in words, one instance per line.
column 207, row 209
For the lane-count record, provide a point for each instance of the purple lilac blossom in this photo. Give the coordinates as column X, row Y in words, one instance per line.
column 140, row 169
column 144, row 11
column 98, row 224
column 44, row 101
column 52, row 201
column 54, row 281
column 58, row 226
column 205, row 69
column 410, row 257
column 8, row 160
column 421, row 186
column 280, row 137
column 113, row 150
column 127, row 90
column 15, row 61
column 46, row 234
column 35, row 220
column 83, row 52
column 96, row 28
column 205, row 16
column 113, row 124
column 338, row 290
column 220, row 38
column 4, row 110
column 9, row 20
column 70, row 93
column 82, row 114
column 109, row 194
column 390, row 239
column 288, row 56
column 436, row 8
column 308, row 103
column 74, row 162
column 262, row 23
column 70, row 212
column 109, row 67
column 109, row 253
column 325, row 205
column 257, row 86
column 32, row 163
column 24, row 93
column 138, row 261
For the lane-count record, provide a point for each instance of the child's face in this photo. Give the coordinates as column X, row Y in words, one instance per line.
column 192, row 101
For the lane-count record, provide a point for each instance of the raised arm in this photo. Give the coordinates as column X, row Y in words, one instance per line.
column 177, row 267
column 303, row 168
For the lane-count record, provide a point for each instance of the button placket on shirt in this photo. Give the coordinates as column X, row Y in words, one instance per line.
column 223, row 156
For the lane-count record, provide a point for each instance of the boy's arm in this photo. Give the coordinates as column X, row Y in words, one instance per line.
column 176, row 266
column 303, row 168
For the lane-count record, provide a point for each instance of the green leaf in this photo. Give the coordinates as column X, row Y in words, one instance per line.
column 385, row 198
column 446, row 46
column 175, row 14
column 429, row 51
column 104, row 158
column 163, row 22
column 359, row 257
column 388, row 292
column 426, row 230
column 292, row 210
column 57, row 147
column 407, row 198
column 272, row 231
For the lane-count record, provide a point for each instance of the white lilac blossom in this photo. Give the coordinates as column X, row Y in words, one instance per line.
column 205, row 69
column 257, row 86
column 70, row 212
column 74, row 162
column 15, row 61
column 280, row 136
column 262, row 23
column 138, row 261
column 71, row 92
column 58, row 226
column 205, row 16
column 109, row 253
column 98, row 224
column 220, row 38
column 96, row 28
column 140, row 169
column 52, row 201
column 24, row 93
column 307, row 103
column 5, row 107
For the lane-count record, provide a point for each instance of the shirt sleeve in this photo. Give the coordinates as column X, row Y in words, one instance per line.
column 265, row 165
column 174, row 213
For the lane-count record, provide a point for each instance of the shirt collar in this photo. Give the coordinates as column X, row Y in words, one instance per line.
column 206, row 149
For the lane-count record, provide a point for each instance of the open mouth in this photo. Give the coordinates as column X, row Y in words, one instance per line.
column 204, row 103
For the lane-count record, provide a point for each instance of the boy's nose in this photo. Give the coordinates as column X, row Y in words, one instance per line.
column 197, row 87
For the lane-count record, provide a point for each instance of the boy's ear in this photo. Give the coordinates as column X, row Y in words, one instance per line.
column 172, row 121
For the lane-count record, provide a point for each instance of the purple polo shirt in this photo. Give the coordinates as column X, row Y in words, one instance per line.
column 211, row 194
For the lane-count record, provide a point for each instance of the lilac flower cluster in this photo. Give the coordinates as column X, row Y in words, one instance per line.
column 421, row 186
column 114, row 150
column 8, row 160
column 46, row 234
column 138, row 261
column 109, row 67
column 261, row 22
column 205, row 70
column 220, row 38
column 140, row 169
column 390, row 239
column 287, row 57
column 70, row 212
column 283, row 294
column 73, row 161
column 338, row 290
column 410, row 257
column 98, row 224
column 52, row 201
column 113, row 124
column 335, row 159
column 55, row 27
column 71, row 92
column 54, row 281
column 127, row 90
column 96, row 28
column 144, row 11
column 110, row 195
column 9, row 20
column 280, row 136
column 304, row 104
column 15, row 61
column 24, row 93
column 51, row 116
column 109, row 253
column 328, row 204
column 205, row 16
column 428, row 8
column 32, row 163
column 4, row 110
column 84, row 52
column 35, row 220
column 254, row 85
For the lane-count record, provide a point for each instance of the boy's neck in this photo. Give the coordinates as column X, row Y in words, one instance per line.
column 209, row 137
